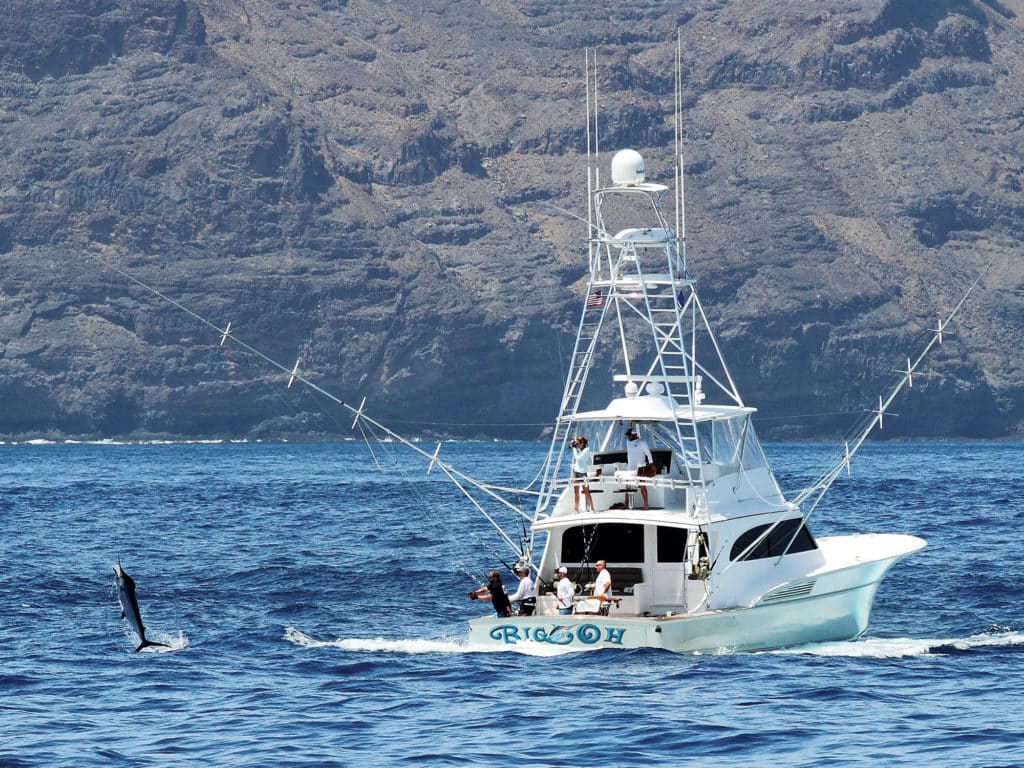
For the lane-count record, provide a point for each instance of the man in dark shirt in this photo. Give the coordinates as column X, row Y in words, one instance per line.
column 494, row 591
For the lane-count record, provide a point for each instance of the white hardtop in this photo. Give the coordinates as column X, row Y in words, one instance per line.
column 645, row 186
column 658, row 408
column 676, row 518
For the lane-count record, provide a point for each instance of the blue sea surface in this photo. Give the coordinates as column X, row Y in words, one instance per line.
column 314, row 600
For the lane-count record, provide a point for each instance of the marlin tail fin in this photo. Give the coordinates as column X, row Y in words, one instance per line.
column 149, row 643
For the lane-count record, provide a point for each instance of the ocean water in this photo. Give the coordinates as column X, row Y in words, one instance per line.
column 313, row 600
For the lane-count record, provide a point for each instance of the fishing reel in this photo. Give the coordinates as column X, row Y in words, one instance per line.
column 700, row 570
column 473, row 595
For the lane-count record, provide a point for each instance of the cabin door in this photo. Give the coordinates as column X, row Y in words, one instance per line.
column 670, row 567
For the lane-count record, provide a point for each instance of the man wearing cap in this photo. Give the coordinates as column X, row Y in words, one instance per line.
column 603, row 582
column 582, row 462
column 526, row 595
column 638, row 455
column 494, row 591
column 564, row 591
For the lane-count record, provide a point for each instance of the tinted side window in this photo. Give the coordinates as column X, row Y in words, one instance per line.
column 614, row 542
column 773, row 543
column 671, row 544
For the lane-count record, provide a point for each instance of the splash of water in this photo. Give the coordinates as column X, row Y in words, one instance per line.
column 170, row 642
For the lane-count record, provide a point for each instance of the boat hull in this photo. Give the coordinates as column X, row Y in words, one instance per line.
column 837, row 608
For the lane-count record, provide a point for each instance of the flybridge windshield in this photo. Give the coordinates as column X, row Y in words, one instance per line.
column 728, row 442
column 731, row 443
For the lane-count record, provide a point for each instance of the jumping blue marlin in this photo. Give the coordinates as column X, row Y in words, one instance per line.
column 130, row 607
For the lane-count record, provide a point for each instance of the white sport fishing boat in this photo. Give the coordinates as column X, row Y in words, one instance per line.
column 717, row 557
column 704, row 550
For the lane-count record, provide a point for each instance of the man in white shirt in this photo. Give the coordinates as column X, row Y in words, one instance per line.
column 603, row 582
column 582, row 461
column 638, row 456
column 564, row 591
column 526, row 595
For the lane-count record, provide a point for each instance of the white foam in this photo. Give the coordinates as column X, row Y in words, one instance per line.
column 415, row 646
column 871, row 648
column 903, row 647
column 178, row 643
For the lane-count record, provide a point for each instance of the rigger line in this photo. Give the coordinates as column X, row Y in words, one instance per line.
column 295, row 373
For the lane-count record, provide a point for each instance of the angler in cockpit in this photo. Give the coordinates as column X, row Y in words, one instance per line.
column 494, row 591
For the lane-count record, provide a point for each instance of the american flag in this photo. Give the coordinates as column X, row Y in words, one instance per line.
column 595, row 300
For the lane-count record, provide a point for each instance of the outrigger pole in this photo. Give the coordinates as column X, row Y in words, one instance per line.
column 295, row 374
column 820, row 487
column 815, row 492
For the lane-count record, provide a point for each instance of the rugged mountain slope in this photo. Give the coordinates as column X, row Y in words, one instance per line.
column 364, row 184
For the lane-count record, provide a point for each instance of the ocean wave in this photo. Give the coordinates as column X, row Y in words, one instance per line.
column 903, row 647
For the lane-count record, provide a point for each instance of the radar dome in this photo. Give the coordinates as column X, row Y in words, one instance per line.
column 627, row 168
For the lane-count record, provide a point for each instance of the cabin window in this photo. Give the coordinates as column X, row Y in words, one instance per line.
column 772, row 544
column 609, row 457
column 671, row 544
column 614, row 542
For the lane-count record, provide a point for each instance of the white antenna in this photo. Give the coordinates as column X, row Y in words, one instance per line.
column 680, row 165
column 590, row 159
column 597, row 143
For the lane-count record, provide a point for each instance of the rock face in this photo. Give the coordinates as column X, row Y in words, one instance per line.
column 368, row 186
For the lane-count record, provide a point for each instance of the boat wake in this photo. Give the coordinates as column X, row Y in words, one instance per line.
column 374, row 645
column 871, row 648
column 903, row 647
column 414, row 647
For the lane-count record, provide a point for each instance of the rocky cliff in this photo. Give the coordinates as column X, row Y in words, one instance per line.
column 368, row 186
